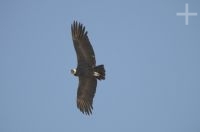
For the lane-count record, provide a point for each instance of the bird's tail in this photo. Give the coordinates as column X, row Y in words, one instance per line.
column 99, row 72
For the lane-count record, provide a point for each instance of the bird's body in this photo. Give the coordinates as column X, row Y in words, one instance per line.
column 86, row 70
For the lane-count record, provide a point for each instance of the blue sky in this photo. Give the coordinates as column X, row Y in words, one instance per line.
column 151, row 59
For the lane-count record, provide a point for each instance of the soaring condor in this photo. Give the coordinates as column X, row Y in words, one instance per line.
column 87, row 70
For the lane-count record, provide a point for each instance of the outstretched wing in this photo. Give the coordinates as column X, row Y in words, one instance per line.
column 83, row 48
column 85, row 94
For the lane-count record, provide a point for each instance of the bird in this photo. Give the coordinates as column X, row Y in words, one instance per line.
column 87, row 71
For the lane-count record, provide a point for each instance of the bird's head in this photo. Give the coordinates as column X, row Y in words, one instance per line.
column 73, row 71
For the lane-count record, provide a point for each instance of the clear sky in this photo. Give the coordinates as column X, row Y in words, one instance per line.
column 152, row 61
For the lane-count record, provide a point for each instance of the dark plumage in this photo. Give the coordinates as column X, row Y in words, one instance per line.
column 86, row 70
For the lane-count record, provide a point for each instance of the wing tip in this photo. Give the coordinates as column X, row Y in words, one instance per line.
column 85, row 106
column 78, row 30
